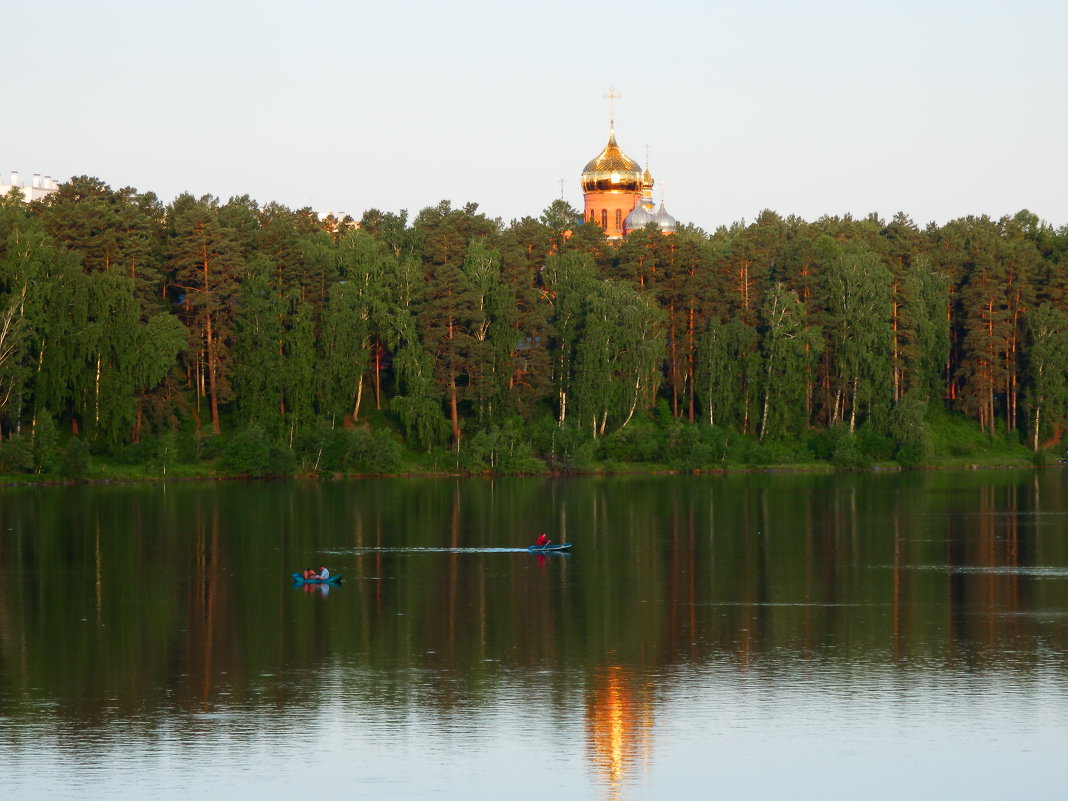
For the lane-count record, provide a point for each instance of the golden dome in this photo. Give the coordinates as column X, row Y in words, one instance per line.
column 612, row 171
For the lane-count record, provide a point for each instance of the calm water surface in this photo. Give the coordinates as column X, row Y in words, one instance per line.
column 757, row 637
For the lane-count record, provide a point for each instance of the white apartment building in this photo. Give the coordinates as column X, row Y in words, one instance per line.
column 37, row 187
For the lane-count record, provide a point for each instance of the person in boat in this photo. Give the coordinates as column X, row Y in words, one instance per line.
column 543, row 540
column 310, row 574
column 324, row 574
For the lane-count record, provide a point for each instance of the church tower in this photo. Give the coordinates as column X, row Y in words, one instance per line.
column 617, row 193
column 612, row 184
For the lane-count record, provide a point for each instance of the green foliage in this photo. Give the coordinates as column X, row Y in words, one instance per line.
column 375, row 451
column 422, row 419
column 912, row 434
column 167, row 450
column 259, row 370
column 857, row 325
column 342, row 345
column 849, row 454
column 956, row 438
column 728, row 364
column 205, row 444
column 75, row 461
column 46, row 451
column 326, row 451
column 775, row 451
column 16, row 455
column 484, row 346
column 504, row 449
column 1047, row 396
column 1044, row 458
column 873, row 444
column 704, row 447
column 641, row 441
column 565, row 449
column 924, row 327
column 790, row 348
column 250, row 452
column 912, row 453
column 823, row 443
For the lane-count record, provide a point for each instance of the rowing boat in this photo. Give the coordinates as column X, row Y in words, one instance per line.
column 550, row 547
column 299, row 579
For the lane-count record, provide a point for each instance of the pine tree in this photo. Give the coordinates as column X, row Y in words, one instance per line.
column 205, row 261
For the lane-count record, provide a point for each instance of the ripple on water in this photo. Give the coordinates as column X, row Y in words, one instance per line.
column 1029, row 571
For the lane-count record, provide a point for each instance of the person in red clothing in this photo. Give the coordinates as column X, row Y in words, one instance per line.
column 543, row 540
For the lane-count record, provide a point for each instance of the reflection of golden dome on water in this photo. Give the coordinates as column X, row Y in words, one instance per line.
column 619, row 724
column 612, row 171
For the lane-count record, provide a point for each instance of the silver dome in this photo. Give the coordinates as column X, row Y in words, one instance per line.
column 664, row 220
column 638, row 218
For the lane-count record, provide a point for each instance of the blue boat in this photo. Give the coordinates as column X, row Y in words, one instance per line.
column 550, row 547
column 299, row 579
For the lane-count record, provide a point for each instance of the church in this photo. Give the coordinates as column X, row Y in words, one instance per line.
column 618, row 193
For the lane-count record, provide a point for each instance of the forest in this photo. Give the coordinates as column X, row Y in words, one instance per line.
column 139, row 338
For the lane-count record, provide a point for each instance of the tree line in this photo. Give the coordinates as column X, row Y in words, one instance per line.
column 269, row 340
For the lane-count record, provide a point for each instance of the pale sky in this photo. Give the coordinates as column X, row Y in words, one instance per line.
column 939, row 109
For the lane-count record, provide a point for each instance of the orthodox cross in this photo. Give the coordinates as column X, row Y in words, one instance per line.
column 612, row 97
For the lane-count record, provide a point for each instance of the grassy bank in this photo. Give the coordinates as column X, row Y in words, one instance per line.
column 650, row 446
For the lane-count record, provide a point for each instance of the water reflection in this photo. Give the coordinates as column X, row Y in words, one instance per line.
column 687, row 604
column 619, row 727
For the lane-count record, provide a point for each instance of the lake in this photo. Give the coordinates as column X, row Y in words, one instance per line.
column 764, row 636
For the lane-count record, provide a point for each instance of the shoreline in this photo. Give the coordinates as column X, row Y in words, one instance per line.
column 14, row 481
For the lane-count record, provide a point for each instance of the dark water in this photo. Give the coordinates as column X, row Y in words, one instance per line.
column 768, row 636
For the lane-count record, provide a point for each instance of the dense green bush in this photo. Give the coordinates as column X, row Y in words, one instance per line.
column 874, row 445
column 912, row 453
column 954, row 435
column 251, row 453
column 775, row 452
column 504, row 449
column 562, row 448
column 911, row 432
column 167, row 450
column 640, row 441
column 822, row 444
column 16, row 455
column 849, row 454
column 705, row 447
column 375, row 450
column 132, row 453
column 75, row 461
column 46, row 450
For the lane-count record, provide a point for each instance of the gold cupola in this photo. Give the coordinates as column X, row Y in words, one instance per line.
column 647, row 189
column 612, row 170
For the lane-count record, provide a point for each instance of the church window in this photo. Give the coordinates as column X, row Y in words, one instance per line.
column 604, row 219
column 619, row 218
